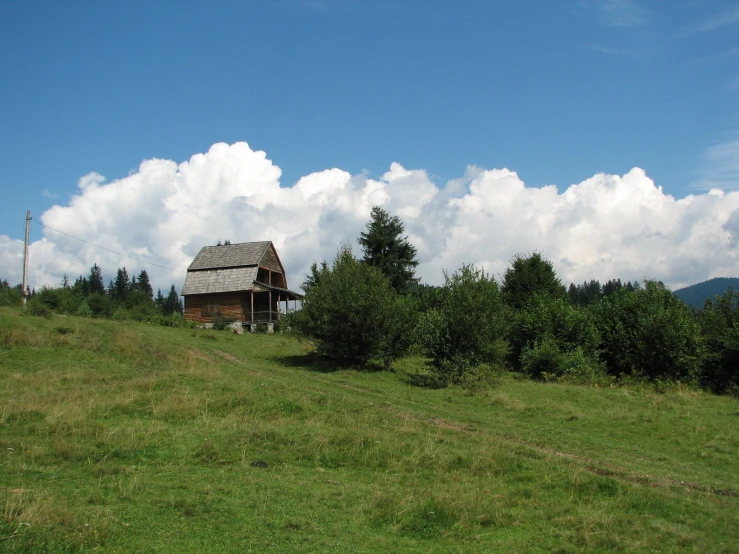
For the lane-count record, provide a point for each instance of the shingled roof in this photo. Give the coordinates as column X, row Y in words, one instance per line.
column 229, row 255
column 220, row 280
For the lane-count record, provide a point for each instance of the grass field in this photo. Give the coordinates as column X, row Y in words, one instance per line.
column 125, row 437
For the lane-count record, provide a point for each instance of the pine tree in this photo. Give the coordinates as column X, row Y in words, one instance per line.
column 144, row 285
column 159, row 301
column 120, row 288
column 585, row 294
column 386, row 248
column 612, row 286
column 81, row 286
column 315, row 275
column 95, row 282
column 172, row 303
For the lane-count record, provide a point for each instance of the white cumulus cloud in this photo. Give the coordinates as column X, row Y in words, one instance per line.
column 606, row 226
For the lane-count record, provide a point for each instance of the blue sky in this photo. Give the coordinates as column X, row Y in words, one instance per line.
column 555, row 91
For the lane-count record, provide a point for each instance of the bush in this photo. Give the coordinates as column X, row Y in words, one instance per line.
column 353, row 314
column 651, row 332
column 546, row 361
column 528, row 276
column 541, row 360
column 9, row 296
column 174, row 320
column 547, row 322
column 37, row 308
column 100, row 304
column 719, row 324
column 467, row 328
column 84, row 310
column 59, row 299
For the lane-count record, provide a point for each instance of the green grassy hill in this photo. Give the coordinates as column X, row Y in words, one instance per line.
column 123, row 437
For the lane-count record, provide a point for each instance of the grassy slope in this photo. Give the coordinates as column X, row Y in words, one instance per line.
column 127, row 437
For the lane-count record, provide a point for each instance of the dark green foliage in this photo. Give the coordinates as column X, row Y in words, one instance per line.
column 144, row 285
column 159, row 300
column 615, row 285
column 467, row 328
column 696, row 295
column 719, row 322
column 552, row 323
column 315, row 275
column 427, row 297
column 353, row 314
column 649, row 332
column 123, row 300
column 585, row 294
column 60, row 300
column 120, row 288
column 36, row 308
column 100, row 304
column 9, row 296
column 83, row 310
column 81, row 286
column 172, row 304
column 385, row 248
column 139, row 300
column 545, row 360
column 527, row 276
column 95, row 280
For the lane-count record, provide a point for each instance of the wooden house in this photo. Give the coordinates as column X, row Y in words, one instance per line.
column 241, row 282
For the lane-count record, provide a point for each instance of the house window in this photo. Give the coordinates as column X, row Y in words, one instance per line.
column 212, row 306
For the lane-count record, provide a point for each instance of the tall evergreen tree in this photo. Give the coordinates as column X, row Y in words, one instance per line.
column 585, row 294
column 120, row 288
column 385, row 248
column 612, row 286
column 144, row 285
column 159, row 301
column 315, row 275
column 81, row 286
column 172, row 303
column 95, row 281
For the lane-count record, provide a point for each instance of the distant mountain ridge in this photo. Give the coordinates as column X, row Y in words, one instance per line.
column 696, row 295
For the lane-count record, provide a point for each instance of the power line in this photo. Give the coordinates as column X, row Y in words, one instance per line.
column 109, row 250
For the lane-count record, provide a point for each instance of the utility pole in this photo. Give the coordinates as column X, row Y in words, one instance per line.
column 25, row 259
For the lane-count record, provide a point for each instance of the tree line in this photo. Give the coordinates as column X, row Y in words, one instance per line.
column 125, row 297
column 371, row 310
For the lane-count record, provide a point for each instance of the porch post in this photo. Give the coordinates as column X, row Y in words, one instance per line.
column 252, row 305
column 270, row 304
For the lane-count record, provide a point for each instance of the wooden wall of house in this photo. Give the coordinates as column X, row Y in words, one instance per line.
column 234, row 306
column 278, row 279
column 204, row 308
